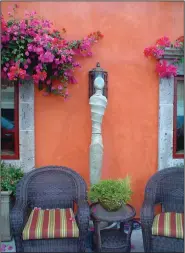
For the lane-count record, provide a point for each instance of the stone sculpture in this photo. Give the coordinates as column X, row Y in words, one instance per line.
column 98, row 104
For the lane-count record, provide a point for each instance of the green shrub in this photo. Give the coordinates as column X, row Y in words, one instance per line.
column 111, row 194
column 10, row 176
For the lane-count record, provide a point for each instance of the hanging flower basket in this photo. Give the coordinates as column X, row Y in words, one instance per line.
column 163, row 68
column 31, row 48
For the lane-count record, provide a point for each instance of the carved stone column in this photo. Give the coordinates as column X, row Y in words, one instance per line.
column 98, row 104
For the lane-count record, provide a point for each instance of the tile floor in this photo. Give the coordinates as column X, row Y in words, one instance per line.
column 136, row 241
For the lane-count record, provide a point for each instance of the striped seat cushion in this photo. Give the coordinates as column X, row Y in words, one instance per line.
column 53, row 223
column 169, row 224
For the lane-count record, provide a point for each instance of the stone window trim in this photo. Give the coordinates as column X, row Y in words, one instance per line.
column 26, row 128
column 166, row 110
column 175, row 154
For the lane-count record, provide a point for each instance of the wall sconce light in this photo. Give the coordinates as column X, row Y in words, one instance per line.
column 95, row 72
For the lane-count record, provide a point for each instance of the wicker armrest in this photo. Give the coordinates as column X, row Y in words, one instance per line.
column 82, row 217
column 18, row 217
column 147, row 213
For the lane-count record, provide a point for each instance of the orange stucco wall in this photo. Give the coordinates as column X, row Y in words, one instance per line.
column 130, row 125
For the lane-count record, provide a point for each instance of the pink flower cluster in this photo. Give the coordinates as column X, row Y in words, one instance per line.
column 153, row 51
column 31, row 48
column 163, row 42
column 163, row 68
column 166, row 70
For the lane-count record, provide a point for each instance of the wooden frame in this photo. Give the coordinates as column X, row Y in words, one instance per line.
column 175, row 154
column 14, row 131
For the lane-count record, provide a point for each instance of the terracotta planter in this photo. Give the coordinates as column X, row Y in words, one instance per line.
column 5, row 216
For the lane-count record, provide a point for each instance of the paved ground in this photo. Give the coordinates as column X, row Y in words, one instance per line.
column 136, row 241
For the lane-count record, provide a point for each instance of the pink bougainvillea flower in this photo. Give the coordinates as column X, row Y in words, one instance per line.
column 28, row 61
column 166, row 70
column 46, row 57
column 163, row 42
column 3, row 24
column 42, row 75
column 49, row 53
column 30, row 47
column 22, row 73
column 153, row 51
column 148, row 51
column 39, row 50
column 48, row 82
column 60, row 87
column 36, row 78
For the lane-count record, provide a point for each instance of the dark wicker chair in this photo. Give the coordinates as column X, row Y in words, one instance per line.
column 166, row 187
column 48, row 188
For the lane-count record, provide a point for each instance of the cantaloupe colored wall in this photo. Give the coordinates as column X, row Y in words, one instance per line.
column 130, row 125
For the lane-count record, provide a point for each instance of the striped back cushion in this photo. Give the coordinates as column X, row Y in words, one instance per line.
column 53, row 223
column 169, row 224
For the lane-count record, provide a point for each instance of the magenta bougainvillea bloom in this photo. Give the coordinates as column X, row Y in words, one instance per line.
column 163, row 42
column 153, row 51
column 164, row 69
column 31, row 48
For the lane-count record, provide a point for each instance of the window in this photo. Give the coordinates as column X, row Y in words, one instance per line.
column 9, row 122
column 178, row 130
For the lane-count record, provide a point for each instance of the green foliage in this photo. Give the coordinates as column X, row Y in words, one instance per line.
column 111, row 193
column 10, row 176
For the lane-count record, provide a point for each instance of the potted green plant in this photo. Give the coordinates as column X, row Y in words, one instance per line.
column 111, row 194
column 10, row 176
